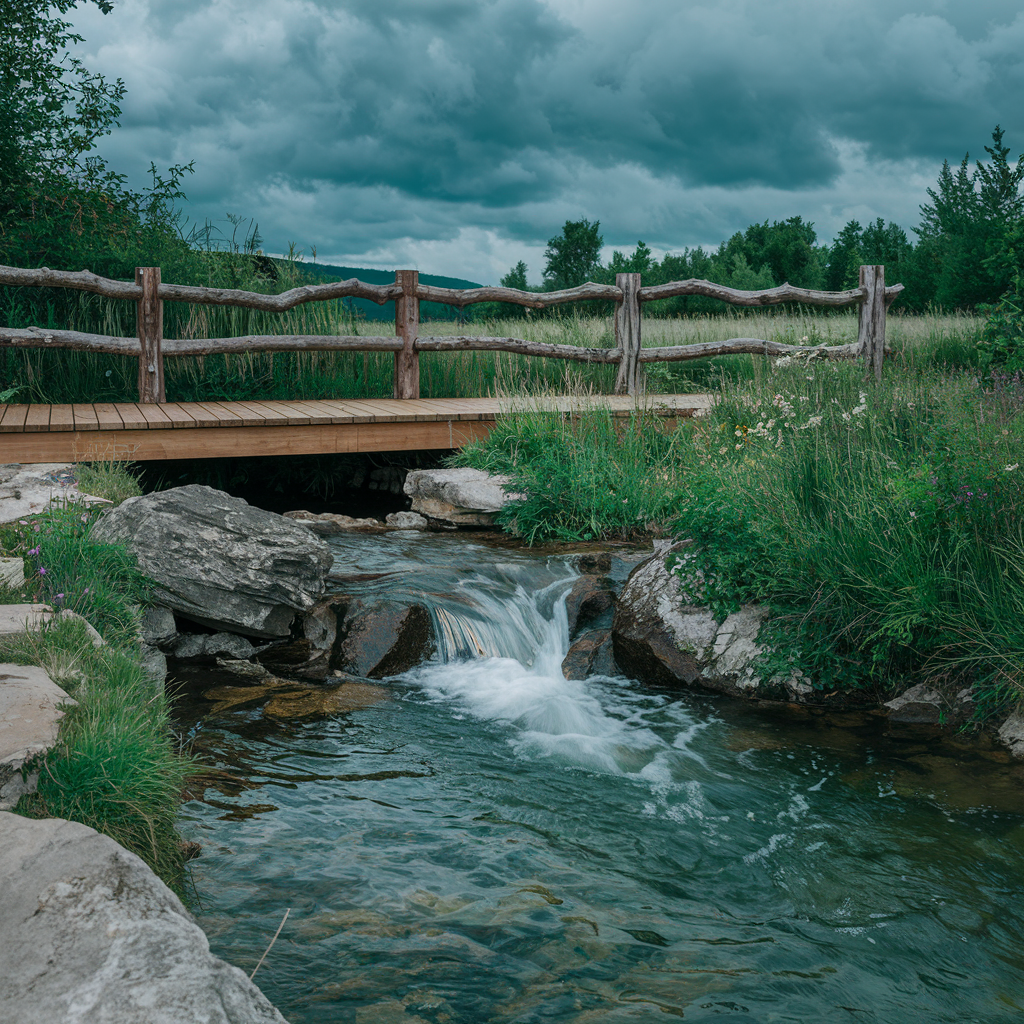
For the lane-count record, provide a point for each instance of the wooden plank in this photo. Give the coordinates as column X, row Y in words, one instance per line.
column 349, row 410
column 295, row 417
column 177, row 415
column 271, row 417
column 201, row 416
column 312, row 412
column 85, row 417
column 156, row 418
column 222, row 411
column 14, row 420
column 61, row 417
column 132, row 417
column 252, row 416
column 38, row 418
column 107, row 417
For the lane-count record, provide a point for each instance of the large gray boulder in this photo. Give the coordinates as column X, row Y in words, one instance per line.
column 660, row 638
column 31, row 707
column 92, row 936
column 219, row 561
column 457, row 497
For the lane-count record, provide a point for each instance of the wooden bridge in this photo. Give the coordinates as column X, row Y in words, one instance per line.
column 154, row 428
column 203, row 430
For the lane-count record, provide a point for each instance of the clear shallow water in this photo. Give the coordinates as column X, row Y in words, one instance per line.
column 496, row 843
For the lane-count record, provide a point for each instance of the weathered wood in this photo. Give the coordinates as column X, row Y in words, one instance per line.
column 627, row 334
column 533, row 300
column 871, row 321
column 353, row 287
column 737, row 297
column 738, row 346
column 480, row 343
column 407, row 326
column 80, row 280
column 37, row 337
column 282, row 343
column 149, row 322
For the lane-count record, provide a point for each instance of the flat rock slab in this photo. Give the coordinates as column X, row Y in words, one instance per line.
column 91, row 934
column 27, row 490
column 19, row 618
column 459, row 497
column 29, row 719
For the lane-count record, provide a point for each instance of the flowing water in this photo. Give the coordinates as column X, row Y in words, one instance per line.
column 493, row 842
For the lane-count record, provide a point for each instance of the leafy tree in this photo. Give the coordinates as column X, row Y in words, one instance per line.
column 516, row 277
column 788, row 248
column 640, row 262
column 573, row 257
column 964, row 227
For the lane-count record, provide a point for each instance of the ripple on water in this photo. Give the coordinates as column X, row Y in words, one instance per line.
column 497, row 843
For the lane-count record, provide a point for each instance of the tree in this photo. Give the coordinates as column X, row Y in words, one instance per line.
column 573, row 257
column 516, row 277
column 964, row 226
column 640, row 262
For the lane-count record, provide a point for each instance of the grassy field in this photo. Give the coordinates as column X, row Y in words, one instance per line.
column 60, row 376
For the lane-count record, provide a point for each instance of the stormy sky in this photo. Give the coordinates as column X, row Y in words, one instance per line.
column 457, row 136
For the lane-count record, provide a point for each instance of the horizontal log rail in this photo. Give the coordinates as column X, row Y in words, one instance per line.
column 149, row 292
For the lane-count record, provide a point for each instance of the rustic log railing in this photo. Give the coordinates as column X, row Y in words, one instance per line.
column 150, row 347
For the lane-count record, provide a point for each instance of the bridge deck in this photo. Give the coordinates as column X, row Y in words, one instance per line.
column 204, row 430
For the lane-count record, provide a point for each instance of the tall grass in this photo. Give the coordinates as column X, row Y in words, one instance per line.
column 881, row 523
column 61, row 376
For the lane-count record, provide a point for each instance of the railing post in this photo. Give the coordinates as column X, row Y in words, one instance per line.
column 871, row 322
column 407, row 325
column 149, row 323
column 627, row 334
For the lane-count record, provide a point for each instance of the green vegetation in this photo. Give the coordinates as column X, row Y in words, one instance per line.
column 114, row 767
column 880, row 523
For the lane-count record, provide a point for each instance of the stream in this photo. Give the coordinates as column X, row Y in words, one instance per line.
column 493, row 842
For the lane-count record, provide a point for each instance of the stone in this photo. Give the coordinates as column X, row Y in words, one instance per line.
column 457, row 497
column 31, row 706
column 381, row 639
column 154, row 661
column 307, row 655
column 588, row 600
column 190, row 646
column 12, row 573
column 1011, row 733
column 592, row 563
column 67, row 615
column 158, row 625
column 19, row 618
column 591, row 655
column 27, row 490
column 91, row 934
column 330, row 524
column 218, row 561
column 407, row 521
column 660, row 639
column 920, row 705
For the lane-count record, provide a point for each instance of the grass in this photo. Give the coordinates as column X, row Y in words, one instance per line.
column 114, row 766
column 61, row 376
column 882, row 524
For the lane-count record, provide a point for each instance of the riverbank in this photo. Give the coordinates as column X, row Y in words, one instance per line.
column 879, row 525
column 115, row 766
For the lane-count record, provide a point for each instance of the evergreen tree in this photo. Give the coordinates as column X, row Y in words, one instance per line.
column 516, row 277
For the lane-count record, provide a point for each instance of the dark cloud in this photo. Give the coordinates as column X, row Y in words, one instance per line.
column 365, row 124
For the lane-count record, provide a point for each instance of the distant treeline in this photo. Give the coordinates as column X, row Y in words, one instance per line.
column 967, row 248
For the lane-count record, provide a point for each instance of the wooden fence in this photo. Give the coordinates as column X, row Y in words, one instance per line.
column 150, row 347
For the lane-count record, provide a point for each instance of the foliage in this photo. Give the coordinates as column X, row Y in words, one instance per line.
column 573, row 256
column 111, row 480
column 114, row 767
column 66, row 568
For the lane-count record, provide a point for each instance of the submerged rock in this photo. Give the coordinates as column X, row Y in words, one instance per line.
column 457, row 497
column 91, row 934
column 307, row 655
column 330, row 524
column 588, row 600
column 591, row 655
column 381, row 639
column 30, row 713
column 1011, row 733
column 660, row 639
column 219, row 561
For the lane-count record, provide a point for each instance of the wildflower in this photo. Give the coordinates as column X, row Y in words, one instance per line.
column 42, row 571
column 59, row 597
column 1010, row 469
column 33, row 551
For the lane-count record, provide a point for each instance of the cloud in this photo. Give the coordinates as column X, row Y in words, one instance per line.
column 427, row 129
